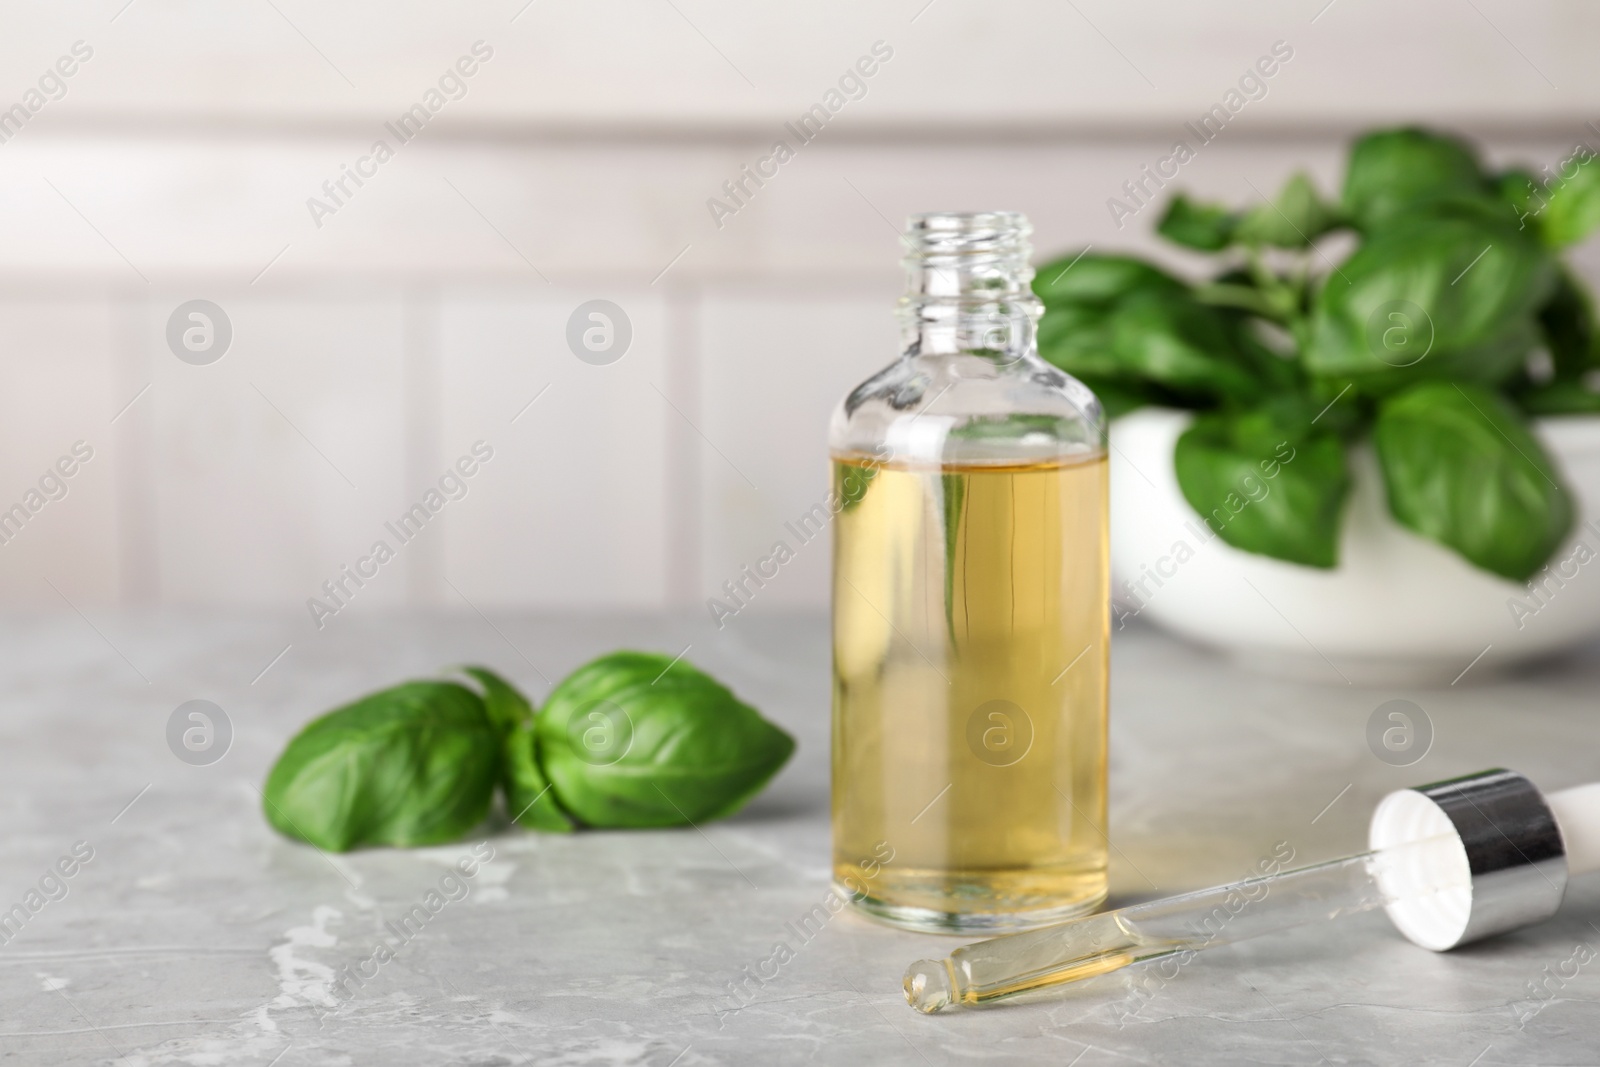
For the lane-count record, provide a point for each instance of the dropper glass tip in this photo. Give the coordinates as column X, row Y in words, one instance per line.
column 927, row 985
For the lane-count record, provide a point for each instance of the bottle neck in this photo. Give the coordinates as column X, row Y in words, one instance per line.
column 967, row 287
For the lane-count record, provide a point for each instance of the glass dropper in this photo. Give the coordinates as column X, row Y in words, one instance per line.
column 1451, row 862
column 1098, row 944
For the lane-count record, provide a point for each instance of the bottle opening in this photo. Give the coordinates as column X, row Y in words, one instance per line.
column 968, row 232
column 955, row 254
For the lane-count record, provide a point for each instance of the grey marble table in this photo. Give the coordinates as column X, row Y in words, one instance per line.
column 195, row 935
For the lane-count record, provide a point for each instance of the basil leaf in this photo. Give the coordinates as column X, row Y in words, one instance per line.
column 1463, row 469
column 530, row 798
column 1570, row 332
column 505, row 705
column 1518, row 188
column 1560, row 398
column 1181, row 345
column 530, row 802
column 1245, row 297
column 1118, row 398
column 1155, row 344
column 953, row 497
column 411, row 765
column 1134, row 334
column 851, row 482
column 1393, row 172
column 1294, row 220
column 1077, row 339
column 1440, row 296
column 1266, row 483
column 1572, row 205
column 1207, row 227
column 1098, row 280
column 634, row 739
column 1250, row 314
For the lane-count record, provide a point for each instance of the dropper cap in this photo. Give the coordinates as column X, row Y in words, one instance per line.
column 1514, row 849
column 1451, row 862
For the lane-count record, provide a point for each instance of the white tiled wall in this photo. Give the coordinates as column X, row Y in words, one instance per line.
column 774, row 362
column 699, row 63
column 574, row 509
column 348, row 392
column 267, row 469
column 372, row 350
column 58, row 391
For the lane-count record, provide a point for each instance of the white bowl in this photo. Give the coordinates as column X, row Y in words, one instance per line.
column 1399, row 609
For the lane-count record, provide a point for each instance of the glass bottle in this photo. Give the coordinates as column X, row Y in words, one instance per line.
column 970, row 605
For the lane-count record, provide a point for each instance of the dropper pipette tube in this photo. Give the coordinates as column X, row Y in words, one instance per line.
column 1098, row 944
column 1450, row 862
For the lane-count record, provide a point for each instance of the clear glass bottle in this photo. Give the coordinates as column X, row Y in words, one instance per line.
column 970, row 605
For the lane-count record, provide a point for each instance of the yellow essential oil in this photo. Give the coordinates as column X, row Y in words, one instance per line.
column 970, row 656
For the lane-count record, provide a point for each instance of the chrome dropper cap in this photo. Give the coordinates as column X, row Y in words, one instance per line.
column 1450, row 862
column 1509, row 864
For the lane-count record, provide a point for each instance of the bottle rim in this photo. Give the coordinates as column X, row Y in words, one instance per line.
column 937, row 233
column 964, row 221
column 968, row 258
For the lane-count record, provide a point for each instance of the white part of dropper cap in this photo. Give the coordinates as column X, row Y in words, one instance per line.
column 1577, row 812
column 1434, row 919
column 1497, row 859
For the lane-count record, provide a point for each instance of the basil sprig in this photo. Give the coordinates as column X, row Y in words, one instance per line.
column 635, row 739
column 1451, row 321
column 412, row 765
column 632, row 739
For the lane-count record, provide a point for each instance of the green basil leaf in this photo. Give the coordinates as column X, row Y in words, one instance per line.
column 1279, row 373
column 1207, row 227
column 1077, row 338
column 1560, row 398
column 1246, row 297
column 634, row 739
column 1518, row 188
column 1157, row 345
column 1266, row 483
column 411, row 765
column 953, row 497
column 1176, row 343
column 1118, row 398
column 1098, row 280
column 1340, row 410
column 1294, row 220
column 1393, row 172
column 1571, row 210
column 1463, row 469
column 1010, row 427
column 851, row 482
column 1440, row 296
column 1568, row 324
column 505, row 705
column 530, row 798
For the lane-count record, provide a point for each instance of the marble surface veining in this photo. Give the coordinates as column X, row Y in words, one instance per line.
column 195, row 935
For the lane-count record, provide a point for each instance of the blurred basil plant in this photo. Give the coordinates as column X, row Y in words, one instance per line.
column 1449, row 324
